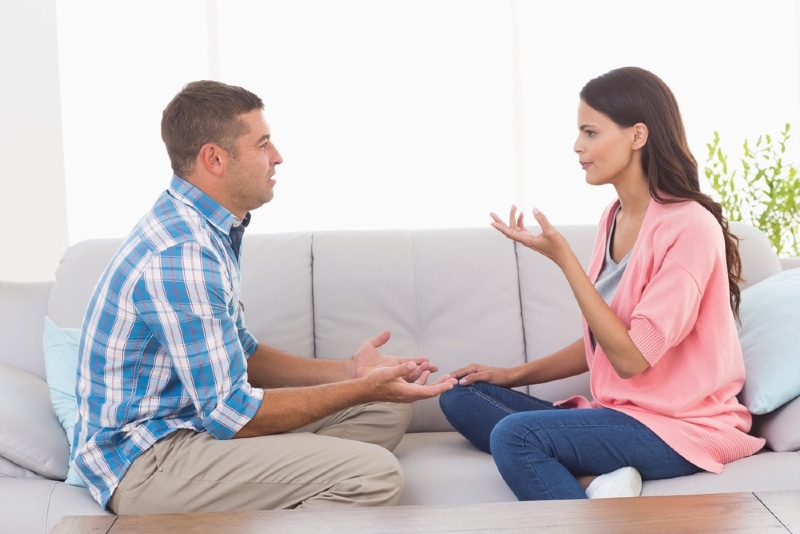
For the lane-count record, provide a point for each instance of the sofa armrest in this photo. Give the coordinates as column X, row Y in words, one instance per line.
column 790, row 262
column 22, row 309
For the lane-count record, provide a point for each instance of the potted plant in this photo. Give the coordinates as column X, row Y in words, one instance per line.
column 759, row 188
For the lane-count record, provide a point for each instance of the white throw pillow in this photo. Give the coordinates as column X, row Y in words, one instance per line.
column 30, row 434
column 769, row 332
column 61, row 366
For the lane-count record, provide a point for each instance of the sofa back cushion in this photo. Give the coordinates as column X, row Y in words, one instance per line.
column 76, row 276
column 22, row 309
column 759, row 260
column 276, row 290
column 449, row 295
column 550, row 313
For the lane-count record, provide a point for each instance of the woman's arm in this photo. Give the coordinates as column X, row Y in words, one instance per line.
column 609, row 331
column 607, row 328
column 569, row 361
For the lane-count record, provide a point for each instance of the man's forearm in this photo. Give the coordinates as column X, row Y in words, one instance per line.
column 269, row 367
column 289, row 408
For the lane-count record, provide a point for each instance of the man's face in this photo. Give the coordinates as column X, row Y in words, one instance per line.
column 250, row 172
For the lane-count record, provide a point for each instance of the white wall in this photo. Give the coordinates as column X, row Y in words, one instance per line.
column 33, row 210
column 388, row 114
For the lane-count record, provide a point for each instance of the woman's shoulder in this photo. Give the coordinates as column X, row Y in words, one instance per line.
column 684, row 225
column 682, row 216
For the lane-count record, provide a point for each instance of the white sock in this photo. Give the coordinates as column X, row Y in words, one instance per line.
column 624, row 482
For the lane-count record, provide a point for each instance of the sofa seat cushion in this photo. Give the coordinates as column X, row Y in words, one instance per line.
column 431, row 461
column 763, row 471
column 30, row 434
column 37, row 505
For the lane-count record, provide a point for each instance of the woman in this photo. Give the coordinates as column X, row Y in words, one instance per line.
column 658, row 304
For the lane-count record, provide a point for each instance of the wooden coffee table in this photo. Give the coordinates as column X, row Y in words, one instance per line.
column 757, row 513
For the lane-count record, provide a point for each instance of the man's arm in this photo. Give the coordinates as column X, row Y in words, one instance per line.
column 269, row 367
column 288, row 408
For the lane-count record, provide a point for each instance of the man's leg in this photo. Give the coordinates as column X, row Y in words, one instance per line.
column 381, row 423
column 189, row 471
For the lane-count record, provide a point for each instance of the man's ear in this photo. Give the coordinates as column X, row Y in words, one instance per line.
column 212, row 158
column 640, row 134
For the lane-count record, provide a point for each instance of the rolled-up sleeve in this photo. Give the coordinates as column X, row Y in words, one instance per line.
column 191, row 301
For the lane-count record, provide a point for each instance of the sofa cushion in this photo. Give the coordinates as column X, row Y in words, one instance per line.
column 12, row 470
column 22, row 305
column 61, row 365
column 769, row 332
column 441, row 298
column 30, row 434
column 759, row 260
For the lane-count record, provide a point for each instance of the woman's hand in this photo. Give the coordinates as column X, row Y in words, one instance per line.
column 474, row 372
column 549, row 242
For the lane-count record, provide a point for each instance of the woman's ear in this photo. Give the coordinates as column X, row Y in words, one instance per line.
column 640, row 133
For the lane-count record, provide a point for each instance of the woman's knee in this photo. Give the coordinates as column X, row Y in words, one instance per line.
column 502, row 435
column 446, row 400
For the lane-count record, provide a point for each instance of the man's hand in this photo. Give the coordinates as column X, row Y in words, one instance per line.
column 368, row 357
column 397, row 383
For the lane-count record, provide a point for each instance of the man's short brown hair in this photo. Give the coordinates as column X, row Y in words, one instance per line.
column 203, row 112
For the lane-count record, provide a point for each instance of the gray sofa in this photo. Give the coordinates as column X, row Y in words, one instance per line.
column 453, row 295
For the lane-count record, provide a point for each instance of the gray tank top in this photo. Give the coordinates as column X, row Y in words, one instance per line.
column 611, row 272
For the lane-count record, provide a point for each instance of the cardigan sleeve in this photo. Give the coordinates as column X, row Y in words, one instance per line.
column 680, row 253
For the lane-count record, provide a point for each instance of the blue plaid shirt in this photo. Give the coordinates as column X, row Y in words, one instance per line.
column 164, row 344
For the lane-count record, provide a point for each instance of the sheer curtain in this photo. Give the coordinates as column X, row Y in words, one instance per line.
column 420, row 113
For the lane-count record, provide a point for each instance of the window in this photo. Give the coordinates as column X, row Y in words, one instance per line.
column 420, row 113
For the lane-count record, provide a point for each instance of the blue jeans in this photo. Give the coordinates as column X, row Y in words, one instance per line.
column 539, row 448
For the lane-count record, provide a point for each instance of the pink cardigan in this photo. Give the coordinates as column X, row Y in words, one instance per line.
column 674, row 298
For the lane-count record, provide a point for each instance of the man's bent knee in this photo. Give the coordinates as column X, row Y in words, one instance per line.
column 378, row 482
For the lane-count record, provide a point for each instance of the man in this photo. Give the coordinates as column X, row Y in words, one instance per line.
column 179, row 407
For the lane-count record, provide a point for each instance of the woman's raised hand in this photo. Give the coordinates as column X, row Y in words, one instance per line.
column 548, row 242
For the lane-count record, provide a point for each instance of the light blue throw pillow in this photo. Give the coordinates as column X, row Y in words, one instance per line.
column 61, row 367
column 770, row 336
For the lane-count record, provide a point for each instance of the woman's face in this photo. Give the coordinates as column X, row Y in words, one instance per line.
column 606, row 151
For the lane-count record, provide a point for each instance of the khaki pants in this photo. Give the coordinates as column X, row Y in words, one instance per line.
column 341, row 460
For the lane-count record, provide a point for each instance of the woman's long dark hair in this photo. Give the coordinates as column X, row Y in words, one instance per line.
column 630, row 95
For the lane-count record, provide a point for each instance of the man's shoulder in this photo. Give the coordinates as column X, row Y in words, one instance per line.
column 172, row 224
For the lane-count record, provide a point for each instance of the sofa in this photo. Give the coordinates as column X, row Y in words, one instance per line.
column 453, row 295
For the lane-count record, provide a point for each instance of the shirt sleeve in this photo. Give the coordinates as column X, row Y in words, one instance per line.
column 190, row 298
